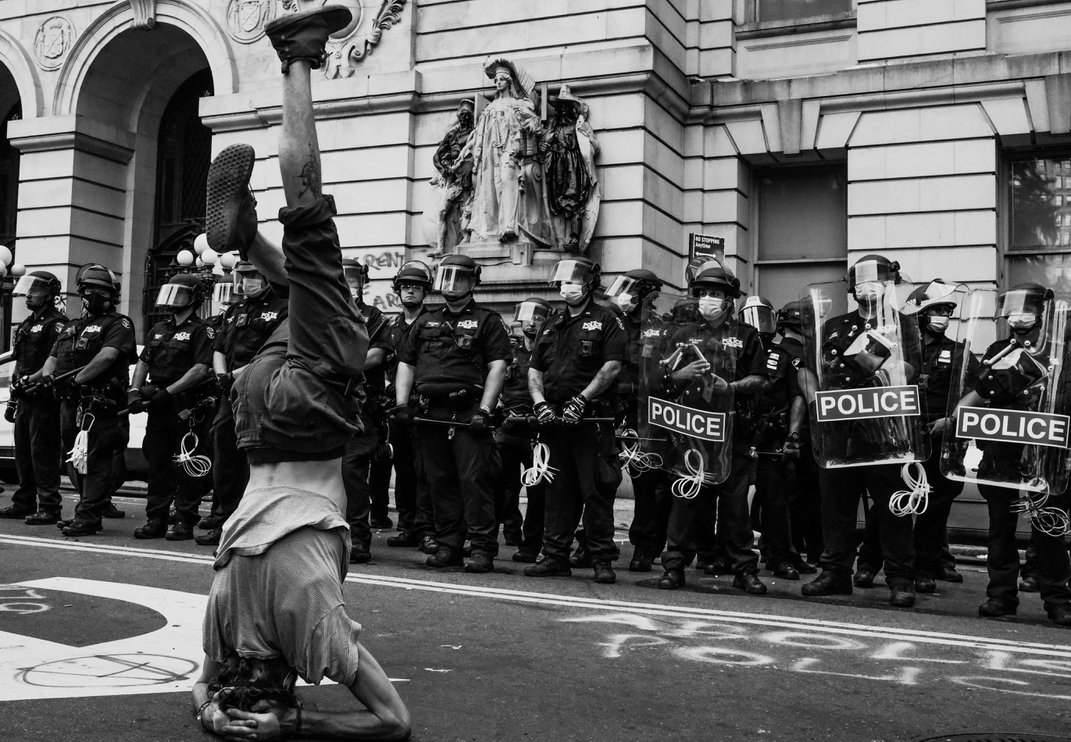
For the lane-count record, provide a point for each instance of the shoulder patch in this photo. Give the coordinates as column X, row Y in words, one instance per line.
column 796, row 362
column 126, row 323
column 620, row 324
column 211, row 332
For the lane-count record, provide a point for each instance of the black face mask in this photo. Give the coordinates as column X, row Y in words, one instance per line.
column 96, row 304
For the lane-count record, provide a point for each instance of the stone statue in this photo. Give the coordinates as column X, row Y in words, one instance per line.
column 452, row 196
column 568, row 147
column 507, row 200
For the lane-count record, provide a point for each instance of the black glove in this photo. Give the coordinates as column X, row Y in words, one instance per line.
column 224, row 382
column 480, row 421
column 159, row 399
column 18, row 387
column 544, row 413
column 10, row 410
column 134, row 403
column 401, row 414
column 574, row 409
column 791, row 449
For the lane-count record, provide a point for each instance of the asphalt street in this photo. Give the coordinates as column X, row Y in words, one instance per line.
column 100, row 640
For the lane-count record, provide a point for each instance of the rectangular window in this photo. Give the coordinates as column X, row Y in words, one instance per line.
column 791, row 10
column 1038, row 246
column 802, row 230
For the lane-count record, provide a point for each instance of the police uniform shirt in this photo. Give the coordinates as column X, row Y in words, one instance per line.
column 448, row 348
column 782, row 366
column 247, row 326
column 515, row 388
column 375, row 380
column 569, row 350
column 941, row 357
column 34, row 339
column 840, row 333
column 81, row 339
column 630, row 367
column 394, row 333
column 732, row 339
column 172, row 350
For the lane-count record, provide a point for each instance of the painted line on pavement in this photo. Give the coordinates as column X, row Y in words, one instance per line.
column 653, row 609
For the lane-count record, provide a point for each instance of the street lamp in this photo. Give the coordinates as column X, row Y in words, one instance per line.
column 9, row 275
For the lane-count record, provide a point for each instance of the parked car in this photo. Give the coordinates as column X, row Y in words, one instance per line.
column 136, row 466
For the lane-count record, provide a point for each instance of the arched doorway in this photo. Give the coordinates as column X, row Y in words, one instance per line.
column 11, row 110
column 142, row 91
column 183, row 156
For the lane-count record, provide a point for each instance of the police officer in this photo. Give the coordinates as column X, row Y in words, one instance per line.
column 777, row 418
column 176, row 362
column 1021, row 308
column 572, row 375
column 514, row 436
column 247, row 324
column 715, row 288
column 804, row 503
column 633, row 294
column 37, row 436
column 412, row 284
column 357, row 461
column 842, row 487
column 933, row 305
column 102, row 344
column 453, row 361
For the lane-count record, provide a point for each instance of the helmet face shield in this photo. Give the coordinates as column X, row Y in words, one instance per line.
column 573, row 271
column 1017, row 302
column 870, row 271
column 29, row 284
column 175, row 296
column 223, row 293
column 355, row 276
column 760, row 317
column 623, row 285
column 531, row 315
column 454, row 279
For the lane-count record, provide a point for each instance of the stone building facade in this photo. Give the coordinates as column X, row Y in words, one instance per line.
column 803, row 132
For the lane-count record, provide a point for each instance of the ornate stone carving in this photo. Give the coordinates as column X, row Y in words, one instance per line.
column 345, row 49
column 246, row 19
column 52, row 42
column 144, row 14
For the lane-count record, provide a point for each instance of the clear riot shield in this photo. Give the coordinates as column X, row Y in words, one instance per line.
column 860, row 378
column 686, row 417
column 1009, row 420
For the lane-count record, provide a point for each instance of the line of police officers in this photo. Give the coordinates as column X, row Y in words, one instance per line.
column 455, row 403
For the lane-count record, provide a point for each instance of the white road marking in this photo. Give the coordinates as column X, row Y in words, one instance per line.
column 869, row 631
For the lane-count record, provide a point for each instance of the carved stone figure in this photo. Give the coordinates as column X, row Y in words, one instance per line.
column 568, row 148
column 453, row 185
column 508, row 201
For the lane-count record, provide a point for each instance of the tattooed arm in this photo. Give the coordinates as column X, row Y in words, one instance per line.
column 603, row 379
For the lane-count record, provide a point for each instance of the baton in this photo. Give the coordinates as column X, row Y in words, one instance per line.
column 433, row 421
column 62, row 377
column 533, row 420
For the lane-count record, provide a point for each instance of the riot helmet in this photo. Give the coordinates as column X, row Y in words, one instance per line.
column 40, row 288
column 249, row 282
column 759, row 313
column 632, row 289
column 413, row 272
column 867, row 278
column 456, row 277
column 933, row 304
column 576, row 279
column 98, row 287
column 790, row 317
column 1022, row 306
column 182, row 291
column 531, row 314
column 356, row 277
column 715, row 287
